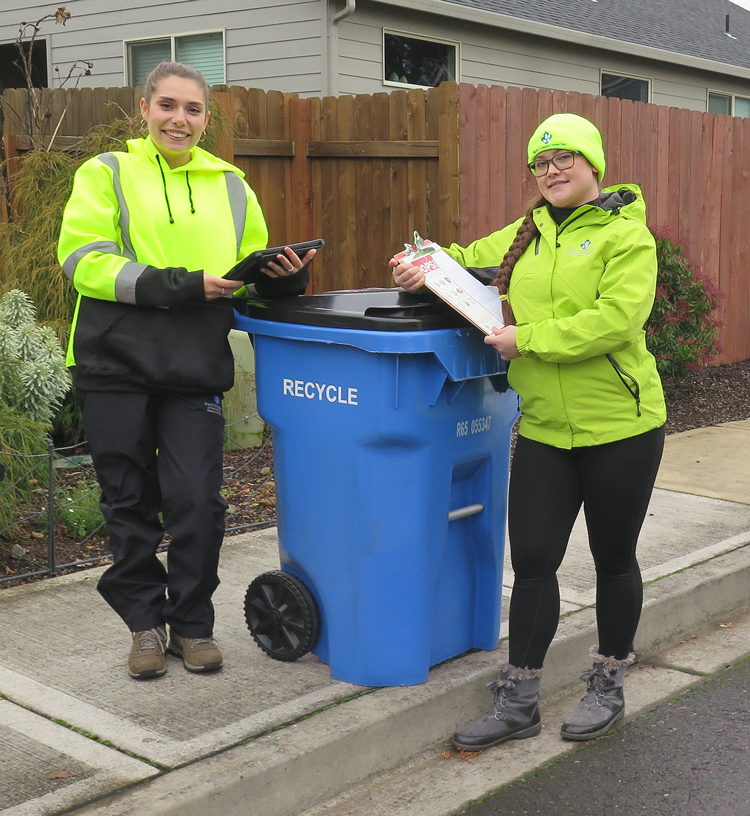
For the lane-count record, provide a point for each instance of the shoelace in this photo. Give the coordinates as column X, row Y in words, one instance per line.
column 502, row 689
column 151, row 639
column 595, row 679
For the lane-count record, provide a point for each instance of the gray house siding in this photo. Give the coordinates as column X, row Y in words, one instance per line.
column 290, row 45
column 491, row 56
column 273, row 46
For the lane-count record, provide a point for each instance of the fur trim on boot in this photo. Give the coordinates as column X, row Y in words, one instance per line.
column 514, row 713
column 611, row 664
column 603, row 705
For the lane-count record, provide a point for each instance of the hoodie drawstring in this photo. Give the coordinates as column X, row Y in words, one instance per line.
column 190, row 192
column 166, row 197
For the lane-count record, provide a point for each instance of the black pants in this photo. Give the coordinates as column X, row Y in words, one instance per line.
column 548, row 485
column 159, row 453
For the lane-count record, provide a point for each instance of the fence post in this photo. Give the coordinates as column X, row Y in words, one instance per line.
column 299, row 204
column 8, row 207
column 51, row 554
column 449, row 215
column 224, row 147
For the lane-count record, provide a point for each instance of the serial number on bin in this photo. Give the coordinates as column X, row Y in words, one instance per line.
column 478, row 425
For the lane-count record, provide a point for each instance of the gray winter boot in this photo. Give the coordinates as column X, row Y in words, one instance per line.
column 603, row 704
column 514, row 714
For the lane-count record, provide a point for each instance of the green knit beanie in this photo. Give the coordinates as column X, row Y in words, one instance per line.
column 567, row 131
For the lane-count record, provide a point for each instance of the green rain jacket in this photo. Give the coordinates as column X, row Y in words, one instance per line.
column 136, row 237
column 581, row 294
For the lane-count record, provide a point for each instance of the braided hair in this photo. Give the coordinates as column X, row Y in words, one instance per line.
column 527, row 231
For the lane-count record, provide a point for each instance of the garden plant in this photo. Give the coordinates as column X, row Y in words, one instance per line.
column 681, row 331
column 33, row 382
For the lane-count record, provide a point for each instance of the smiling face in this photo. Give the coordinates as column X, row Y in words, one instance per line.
column 568, row 188
column 176, row 115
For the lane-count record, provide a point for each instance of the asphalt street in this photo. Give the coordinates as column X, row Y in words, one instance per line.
column 688, row 757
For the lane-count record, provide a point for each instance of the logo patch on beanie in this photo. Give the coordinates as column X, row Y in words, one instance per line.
column 546, row 137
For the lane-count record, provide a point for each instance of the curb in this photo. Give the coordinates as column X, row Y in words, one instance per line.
column 311, row 761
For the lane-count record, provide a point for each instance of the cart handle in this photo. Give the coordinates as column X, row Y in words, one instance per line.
column 463, row 512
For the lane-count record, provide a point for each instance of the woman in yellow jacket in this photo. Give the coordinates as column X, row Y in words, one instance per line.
column 578, row 272
column 146, row 238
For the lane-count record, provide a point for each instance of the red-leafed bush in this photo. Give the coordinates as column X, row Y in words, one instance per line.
column 681, row 331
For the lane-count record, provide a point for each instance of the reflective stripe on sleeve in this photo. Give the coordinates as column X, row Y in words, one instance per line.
column 71, row 262
column 127, row 247
column 238, row 204
column 127, row 278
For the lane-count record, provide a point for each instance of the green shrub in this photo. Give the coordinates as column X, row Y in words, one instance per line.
column 23, row 447
column 33, row 381
column 33, row 376
column 681, row 330
column 78, row 509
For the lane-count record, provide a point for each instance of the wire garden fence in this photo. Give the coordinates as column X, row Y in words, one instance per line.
column 61, row 528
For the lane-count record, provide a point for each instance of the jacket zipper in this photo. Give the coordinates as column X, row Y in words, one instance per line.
column 634, row 388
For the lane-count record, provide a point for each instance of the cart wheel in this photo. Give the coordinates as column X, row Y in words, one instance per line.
column 281, row 615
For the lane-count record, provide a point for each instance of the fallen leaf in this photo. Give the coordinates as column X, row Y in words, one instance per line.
column 463, row 754
column 61, row 773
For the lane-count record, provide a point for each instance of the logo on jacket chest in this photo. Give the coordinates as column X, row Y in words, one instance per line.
column 586, row 248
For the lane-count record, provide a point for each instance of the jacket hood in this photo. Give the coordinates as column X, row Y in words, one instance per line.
column 145, row 152
column 624, row 199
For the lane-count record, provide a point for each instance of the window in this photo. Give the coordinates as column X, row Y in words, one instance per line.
column 12, row 76
column 729, row 104
column 416, row 61
column 621, row 86
column 203, row 51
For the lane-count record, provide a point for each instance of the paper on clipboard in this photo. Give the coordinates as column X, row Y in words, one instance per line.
column 479, row 304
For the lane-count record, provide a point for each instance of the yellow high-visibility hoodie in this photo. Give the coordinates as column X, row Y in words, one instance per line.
column 581, row 294
column 135, row 240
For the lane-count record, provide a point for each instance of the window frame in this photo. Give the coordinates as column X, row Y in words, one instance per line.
column 732, row 96
column 398, row 33
column 647, row 80
column 127, row 73
column 43, row 42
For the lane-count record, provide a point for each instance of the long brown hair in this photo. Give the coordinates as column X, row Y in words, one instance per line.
column 527, row 232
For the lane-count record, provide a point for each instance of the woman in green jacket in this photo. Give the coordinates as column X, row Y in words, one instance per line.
column 578, row 276
column 147, row 237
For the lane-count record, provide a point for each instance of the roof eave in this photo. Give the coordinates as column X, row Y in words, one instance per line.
column 551, row 32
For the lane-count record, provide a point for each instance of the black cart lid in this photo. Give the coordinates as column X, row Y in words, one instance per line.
column 371, row 309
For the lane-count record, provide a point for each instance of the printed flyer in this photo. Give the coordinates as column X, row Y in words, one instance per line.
column 479, row 304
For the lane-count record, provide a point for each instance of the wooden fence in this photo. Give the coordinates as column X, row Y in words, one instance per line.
column 364, row 172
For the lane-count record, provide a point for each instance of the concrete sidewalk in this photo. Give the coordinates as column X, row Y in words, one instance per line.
column 271, row 738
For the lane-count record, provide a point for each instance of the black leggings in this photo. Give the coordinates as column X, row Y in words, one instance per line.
column 547, row 487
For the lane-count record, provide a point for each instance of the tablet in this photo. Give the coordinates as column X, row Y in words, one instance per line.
column 247, row 269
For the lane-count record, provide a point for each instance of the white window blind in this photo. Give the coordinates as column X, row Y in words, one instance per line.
column 204, row 52
column 145, row 56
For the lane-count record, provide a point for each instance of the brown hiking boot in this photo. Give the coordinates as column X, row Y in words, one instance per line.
column 198, row 654
column 147, row 654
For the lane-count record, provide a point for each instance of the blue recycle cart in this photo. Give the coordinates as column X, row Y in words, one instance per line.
column 391, row 425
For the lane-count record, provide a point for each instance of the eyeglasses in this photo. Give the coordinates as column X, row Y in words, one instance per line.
column 562, row 161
